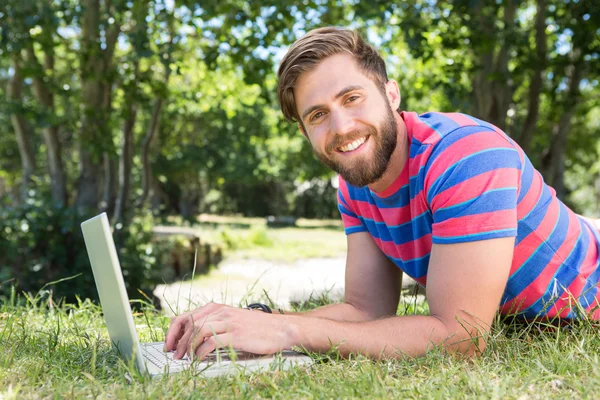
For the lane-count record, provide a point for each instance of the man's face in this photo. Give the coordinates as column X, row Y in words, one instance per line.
column 347, row 118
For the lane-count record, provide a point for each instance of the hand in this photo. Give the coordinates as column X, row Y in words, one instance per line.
column 198, row 332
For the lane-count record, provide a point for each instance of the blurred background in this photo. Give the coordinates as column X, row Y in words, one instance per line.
column 164, row 114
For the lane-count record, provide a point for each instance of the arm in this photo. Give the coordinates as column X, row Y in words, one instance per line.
column 372, row 284
column 465, row 284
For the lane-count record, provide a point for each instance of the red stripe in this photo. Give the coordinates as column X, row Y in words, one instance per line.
column 391, row 216
column 350, row 222
column 532, row 197
column 420, row 130
column 420, row 160
column 574, row 290
column 531, row 242
column 538, row 287
column 400, row 181
column 462, row 148
column 406, row 251
column 478, row 223
column 461, row 119
column 477, row 185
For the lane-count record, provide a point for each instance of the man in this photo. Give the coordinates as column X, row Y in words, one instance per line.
column 448, row 199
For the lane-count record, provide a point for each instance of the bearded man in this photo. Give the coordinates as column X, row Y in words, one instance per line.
column 448, row 199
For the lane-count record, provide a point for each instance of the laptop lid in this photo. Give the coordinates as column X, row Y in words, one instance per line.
column 111, row 288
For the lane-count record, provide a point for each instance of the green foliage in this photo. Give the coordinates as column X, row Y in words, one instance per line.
column 40, row 244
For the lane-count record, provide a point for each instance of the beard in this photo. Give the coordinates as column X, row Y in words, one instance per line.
column 365, row 170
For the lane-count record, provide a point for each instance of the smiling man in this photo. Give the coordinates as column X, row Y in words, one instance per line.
column 448, row 199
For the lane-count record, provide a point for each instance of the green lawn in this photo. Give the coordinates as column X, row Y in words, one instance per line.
column 64, row 352
column 50, row 351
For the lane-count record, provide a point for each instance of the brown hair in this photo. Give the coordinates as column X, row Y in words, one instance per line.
column 318, row 44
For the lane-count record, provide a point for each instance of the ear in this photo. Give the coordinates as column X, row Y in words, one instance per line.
column 393, row 94
column 301, row 127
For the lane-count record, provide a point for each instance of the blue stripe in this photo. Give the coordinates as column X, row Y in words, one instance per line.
column 409, row 222
column 498, row 233
column 417, row 182
column 474, row 120
column 526, row 179
column 533, row 219
column 400, row 198
column 473, row 165
column 345, row 211
column 484, row 124
column 590, row 290
column 417, row 148
column 400, row 234
column 341, row 196
column 539, row 259
column 439, row 122
column 568, row 274
column 355, row 229
column 379, row 233
column 490, row 201
column 415, row 268
column 453, row 137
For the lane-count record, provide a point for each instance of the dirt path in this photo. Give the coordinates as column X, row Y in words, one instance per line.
column 239, row 282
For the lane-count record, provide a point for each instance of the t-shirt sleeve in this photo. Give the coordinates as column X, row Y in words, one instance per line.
column 352, row 223
column 472, row 182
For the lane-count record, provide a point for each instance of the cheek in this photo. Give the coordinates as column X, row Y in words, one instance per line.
column 318, row 138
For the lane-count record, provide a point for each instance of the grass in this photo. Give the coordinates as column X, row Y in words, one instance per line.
column 63, row 351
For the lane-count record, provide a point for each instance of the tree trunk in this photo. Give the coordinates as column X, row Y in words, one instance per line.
column 125, row 163
column 480, row 83
column 93, row 132
column 491, row 83
column 110, row 183
column 22, row 131
column 502, row 84
column 50, row 132
column 535, row 87
column 553, row 160
column 155, row 120
column 146, row 167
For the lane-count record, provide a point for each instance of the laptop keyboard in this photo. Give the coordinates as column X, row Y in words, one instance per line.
column 154, row 353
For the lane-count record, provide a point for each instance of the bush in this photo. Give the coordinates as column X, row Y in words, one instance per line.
column 40, row 244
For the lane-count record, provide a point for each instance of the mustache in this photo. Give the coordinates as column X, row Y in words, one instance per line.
column 339, row 140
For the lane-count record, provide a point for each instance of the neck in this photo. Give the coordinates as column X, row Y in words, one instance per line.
column 397, row 160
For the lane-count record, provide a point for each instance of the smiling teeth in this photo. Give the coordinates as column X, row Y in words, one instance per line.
column 353, row 146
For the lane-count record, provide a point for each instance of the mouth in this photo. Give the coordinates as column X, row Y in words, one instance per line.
column 353, row 146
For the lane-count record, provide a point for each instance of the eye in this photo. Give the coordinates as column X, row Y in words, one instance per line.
column 352, row 98
column 317, row 115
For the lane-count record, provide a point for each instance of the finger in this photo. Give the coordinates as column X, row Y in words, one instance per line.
column 204, row 332
column 180, row 324
column 213, row 342
column 182, row 344
column 176, row 330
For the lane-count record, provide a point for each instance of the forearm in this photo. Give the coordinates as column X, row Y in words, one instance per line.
column 335, row 312
column 395, row 337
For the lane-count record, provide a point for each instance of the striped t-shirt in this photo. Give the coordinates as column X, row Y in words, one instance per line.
column 465, row 180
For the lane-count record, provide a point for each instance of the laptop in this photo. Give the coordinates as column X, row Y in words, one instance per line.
column 149, row 357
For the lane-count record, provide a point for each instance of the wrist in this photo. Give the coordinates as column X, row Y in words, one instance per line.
column 293, row 331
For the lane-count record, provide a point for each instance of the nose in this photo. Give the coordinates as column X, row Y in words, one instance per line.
column 341, row 122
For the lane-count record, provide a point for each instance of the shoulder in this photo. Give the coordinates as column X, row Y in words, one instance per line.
column 431, row 127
